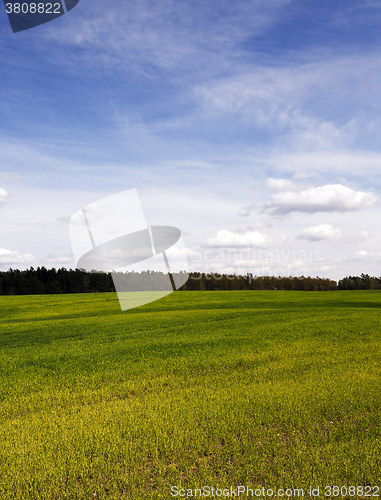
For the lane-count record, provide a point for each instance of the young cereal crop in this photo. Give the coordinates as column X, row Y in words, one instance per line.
column 265, row 389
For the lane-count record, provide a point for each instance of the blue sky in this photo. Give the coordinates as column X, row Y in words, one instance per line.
column 248, row 124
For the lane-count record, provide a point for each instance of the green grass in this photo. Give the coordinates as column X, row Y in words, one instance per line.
column 265, row 389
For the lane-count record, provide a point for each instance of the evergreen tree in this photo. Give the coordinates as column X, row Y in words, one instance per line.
column 53, row 287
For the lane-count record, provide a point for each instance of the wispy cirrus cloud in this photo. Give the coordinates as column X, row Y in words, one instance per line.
column 143, row 36
column 320, row 232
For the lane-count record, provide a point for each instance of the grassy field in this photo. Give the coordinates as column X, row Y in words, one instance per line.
column 264, row 389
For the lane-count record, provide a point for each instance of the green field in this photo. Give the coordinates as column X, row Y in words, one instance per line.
column 264, row 389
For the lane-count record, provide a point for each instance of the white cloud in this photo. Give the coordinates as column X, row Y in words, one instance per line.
column 326, row 232
column 225, row 238
column 284, row 98
column 328, row 198
column 281, row 184
column 16, row 259
column 305, row 105
column 361, row 256
column 193, row 255
column 364, row 255
column 165, row 34
column 324, row 268
column 13, row 257
column 320, row 232
column 305, row 175
column 3, row 196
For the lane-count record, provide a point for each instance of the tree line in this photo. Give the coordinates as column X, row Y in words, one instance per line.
column 363, row 282
column 56, row 281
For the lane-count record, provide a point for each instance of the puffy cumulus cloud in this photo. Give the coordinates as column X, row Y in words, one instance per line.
column 360, row 256
column 328, row 198
column 320, row 232
column 364, row 255
column 281, row 184
column 324, row 268
column 3, row 196
column 15, row 258
column 225, row 238
column 326, row 232
column 12, row 257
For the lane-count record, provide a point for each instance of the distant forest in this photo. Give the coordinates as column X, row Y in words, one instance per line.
column 54, row 281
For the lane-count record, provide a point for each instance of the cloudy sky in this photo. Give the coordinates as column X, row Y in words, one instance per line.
column 254, row 126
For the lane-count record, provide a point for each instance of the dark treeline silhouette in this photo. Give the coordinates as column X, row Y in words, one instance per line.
column 54, row 281
column 363, row 282
column 213, row 281
column 42, row 280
